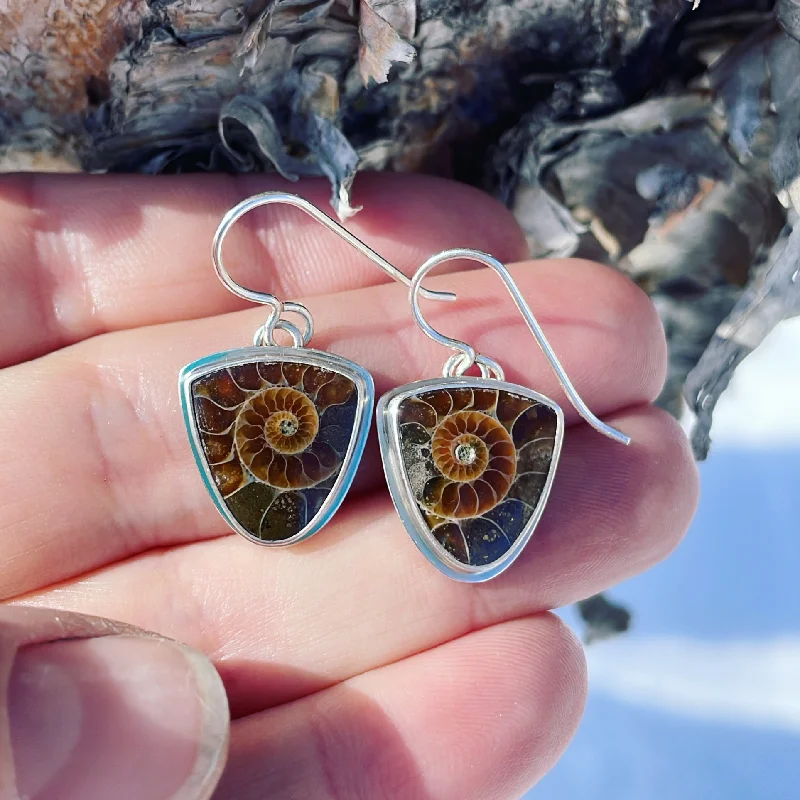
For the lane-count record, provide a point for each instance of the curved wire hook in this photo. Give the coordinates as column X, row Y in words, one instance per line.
column 268, row 198
column 468, row 355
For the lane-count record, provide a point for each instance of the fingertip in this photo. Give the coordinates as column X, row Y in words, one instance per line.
column 596, row 296
column 531, row 715
column 657, row 482
column 614, row 512
column 568, row 657
column 138, row 713
column 560, row 675
column 617, row 300
column 636, row 315
column 668, row 457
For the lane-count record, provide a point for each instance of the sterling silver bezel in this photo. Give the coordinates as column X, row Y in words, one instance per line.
column 248, row 355
column 400, row 488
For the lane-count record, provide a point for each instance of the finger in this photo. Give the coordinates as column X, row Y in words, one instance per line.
column 83, row 705
column 85, row 255
column 112, row 434
column 483, row 716
column 613, row 512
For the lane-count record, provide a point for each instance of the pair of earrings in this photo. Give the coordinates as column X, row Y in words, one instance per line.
column 278, row 432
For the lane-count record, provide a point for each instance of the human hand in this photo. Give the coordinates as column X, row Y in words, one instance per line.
column 352, row 667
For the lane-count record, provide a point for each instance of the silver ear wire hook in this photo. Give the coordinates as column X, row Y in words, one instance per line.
column 466, row 355
column 265, row 298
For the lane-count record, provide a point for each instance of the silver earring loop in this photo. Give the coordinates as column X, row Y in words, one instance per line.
column 466, row 355
column 277, row 432
column 265, row 334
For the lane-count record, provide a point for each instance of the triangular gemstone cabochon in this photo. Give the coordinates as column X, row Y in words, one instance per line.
column 277, row 433
column 470, row 463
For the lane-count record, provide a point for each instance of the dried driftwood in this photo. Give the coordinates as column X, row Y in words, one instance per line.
column 655, row 135
column 224, row 84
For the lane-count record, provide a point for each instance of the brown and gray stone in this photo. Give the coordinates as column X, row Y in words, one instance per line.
column 275, row 436
column 477, row 461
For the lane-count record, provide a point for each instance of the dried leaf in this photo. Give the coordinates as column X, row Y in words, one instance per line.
column 661, row 196
column 281, row 16
column 739, row 79
column 550, row 229
column 255, row 29
column 314, row 123
column 714, row 238
column 256, row 119
column 775, row 296
column 312, row 101
column 788, row 12
column 385, row 26
column 784, row 68
column 774, row 293
column 400, row 14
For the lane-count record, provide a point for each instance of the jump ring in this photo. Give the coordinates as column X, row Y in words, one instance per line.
column 463, row 360
column 459, row 363
column 263, row 338
column 265, row 335
column 305, row 314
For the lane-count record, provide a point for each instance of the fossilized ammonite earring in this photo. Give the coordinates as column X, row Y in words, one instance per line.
column 470, row 461
column 277, row 432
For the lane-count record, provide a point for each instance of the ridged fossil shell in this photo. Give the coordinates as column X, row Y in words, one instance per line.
column 274, row 436
column 270, row 437
column 477, row 460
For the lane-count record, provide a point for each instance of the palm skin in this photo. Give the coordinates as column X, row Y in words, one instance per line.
column 352, row 667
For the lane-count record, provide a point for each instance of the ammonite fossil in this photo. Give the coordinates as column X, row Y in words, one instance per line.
column 274, row 436
column 477, row 460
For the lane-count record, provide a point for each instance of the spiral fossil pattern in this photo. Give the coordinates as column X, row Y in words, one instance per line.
column 477, row 461
column 275, row 435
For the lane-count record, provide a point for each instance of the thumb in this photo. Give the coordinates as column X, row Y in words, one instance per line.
column 91, row 708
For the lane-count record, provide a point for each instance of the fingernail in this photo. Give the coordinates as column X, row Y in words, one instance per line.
column 123, row 717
